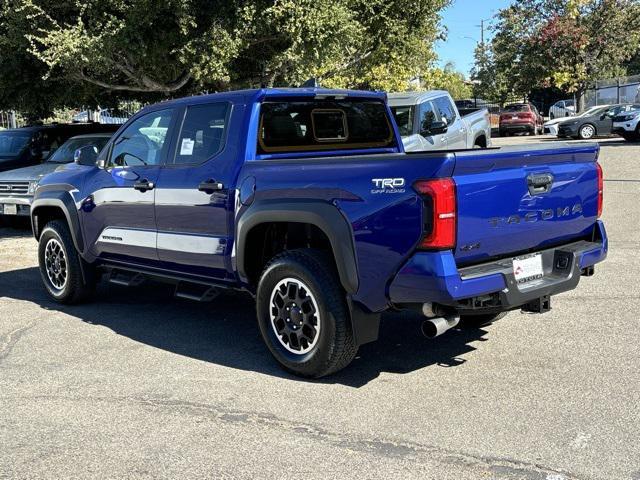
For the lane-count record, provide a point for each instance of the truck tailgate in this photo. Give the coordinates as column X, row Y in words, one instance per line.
column 520, row 199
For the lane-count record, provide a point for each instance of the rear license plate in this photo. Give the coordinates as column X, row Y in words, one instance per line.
column 10, row 209
column 529, row 268
column 515, row 117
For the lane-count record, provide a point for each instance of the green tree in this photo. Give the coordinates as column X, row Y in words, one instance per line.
column 566, row 44
column 105, row 49
column 448, row 78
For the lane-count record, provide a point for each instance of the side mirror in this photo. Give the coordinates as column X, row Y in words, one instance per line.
column 436, row 128
column 87, row 156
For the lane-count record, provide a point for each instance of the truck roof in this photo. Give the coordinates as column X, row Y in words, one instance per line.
column 414, row 98
column 258, row 94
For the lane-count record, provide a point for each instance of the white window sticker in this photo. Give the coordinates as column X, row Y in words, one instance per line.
column 187, row 146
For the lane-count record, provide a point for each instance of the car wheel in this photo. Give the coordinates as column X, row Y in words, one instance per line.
column 482, row 319
column 61, row 266
column 303, row 315
column 586, row 132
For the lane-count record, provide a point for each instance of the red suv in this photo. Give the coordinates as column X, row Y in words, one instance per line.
column 521, row 117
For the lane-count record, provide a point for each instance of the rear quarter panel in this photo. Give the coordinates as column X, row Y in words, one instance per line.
column 386, row 224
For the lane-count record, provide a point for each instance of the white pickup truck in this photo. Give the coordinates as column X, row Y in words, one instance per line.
column 431, row 121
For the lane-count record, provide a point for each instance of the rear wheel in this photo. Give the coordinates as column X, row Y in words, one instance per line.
column 61, row 265
column 302, row 314
column 587, row 132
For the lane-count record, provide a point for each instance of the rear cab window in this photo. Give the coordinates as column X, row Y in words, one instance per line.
column 202, row 133
column 321, row 125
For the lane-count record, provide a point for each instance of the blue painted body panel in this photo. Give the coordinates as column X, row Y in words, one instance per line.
column 386, row 227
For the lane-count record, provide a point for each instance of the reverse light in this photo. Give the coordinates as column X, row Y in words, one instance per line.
column 600, row 189
column 439, row 198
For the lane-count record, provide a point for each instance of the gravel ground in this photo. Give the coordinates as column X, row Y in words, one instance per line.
column 141, row 385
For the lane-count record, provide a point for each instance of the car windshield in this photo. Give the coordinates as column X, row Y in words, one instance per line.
column 65, row 153
column 517, row 107
column 593, row 111
column 12, row 143
column 569, row 103
column 404, row 119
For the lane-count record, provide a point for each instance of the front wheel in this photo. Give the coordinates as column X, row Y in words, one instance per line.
column 61, row 265
column 586, row 132
column 302, row 314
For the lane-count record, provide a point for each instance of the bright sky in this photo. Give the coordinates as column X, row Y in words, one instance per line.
column 462, row 19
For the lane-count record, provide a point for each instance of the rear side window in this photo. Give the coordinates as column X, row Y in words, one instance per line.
column 202, row 134
column 404, row 119
column 315, row 125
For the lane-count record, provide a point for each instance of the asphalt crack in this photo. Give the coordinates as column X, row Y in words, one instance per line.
column 495, row 467
column 8, row 341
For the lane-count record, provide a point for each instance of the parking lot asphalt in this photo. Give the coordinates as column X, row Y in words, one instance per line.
column 141, row 385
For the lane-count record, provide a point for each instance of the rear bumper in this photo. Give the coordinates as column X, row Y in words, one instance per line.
column 434, row 277
column 516, row 127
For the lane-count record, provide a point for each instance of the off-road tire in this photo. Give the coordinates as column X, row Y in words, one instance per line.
column 335, row 347
column 77, row 288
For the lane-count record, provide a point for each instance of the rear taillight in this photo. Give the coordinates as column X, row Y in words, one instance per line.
column 600, row 189
column 439, row 198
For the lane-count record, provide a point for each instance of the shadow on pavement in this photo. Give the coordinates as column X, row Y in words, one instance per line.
column 225, row 331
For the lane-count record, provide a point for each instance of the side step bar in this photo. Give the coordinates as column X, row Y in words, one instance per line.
column 196, row 292
column 126, row 279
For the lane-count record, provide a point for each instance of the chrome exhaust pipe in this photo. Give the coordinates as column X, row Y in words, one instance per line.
column 434, row 327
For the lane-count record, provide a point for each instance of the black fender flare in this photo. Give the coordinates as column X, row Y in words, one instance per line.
column 323, row 215
column 62, row 200
column 478, row 137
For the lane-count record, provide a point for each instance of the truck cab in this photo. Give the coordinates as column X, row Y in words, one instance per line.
column 431, row 121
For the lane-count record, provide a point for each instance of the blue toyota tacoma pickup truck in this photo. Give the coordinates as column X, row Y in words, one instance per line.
column 305, row 199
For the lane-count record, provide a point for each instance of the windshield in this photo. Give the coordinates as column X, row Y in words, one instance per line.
column 404, row 119
column 65, row 153
column 569, row 103
column 593, row 111
column 517, row 107
column 12, row 143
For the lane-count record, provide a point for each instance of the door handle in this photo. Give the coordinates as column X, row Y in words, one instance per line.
column 144, row 185
column 210, row 186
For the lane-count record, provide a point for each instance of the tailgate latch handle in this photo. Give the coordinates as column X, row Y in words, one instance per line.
column 539, row 183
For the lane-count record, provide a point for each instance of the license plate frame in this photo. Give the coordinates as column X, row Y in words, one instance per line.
column 10, row 209
column 528, row 268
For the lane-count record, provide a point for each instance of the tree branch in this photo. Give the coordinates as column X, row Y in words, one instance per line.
column 144, row 83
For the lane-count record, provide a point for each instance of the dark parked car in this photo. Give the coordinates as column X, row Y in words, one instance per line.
column 521, row 117
column 26, row 146
column 597, row 122
column 18, row 186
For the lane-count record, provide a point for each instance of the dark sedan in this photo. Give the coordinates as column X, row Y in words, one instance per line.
column 597, row 122
column 18, row 186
